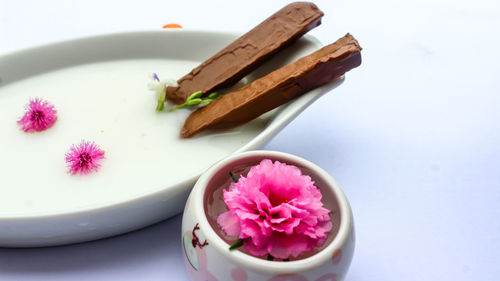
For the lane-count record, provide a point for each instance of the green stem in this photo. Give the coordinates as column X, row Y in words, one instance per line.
column 160, row 105
column 177, row 107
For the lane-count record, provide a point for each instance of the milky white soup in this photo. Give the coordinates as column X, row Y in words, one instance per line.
column 108, row 103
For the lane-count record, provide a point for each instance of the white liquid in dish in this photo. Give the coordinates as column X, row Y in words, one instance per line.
column 108, row 103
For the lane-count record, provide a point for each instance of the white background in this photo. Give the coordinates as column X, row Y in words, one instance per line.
column 413, row 135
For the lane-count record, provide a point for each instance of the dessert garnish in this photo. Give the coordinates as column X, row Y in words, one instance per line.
column 246, row 53
column 276, row 88
column 196, row 99
column 84, row 158
column 275, row 212
column 38, row 116
column 160, row 86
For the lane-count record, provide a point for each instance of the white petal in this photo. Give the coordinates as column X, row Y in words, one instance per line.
column 169, row 82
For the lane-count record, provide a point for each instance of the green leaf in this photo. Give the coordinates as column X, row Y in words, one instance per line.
column 195, row 95
column 236, row 244
column 214, row 95
column 235, row 179
column 193, row 101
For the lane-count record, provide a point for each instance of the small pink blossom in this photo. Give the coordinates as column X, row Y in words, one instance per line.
column 39, row 115
column 275, row 210
column 84, row 158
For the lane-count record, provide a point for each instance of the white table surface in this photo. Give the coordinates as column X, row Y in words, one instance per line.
column 413, row 135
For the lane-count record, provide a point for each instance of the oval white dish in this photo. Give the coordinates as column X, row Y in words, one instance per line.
column 99, row 88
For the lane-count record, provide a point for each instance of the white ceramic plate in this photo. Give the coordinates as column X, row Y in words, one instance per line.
column 98, row 86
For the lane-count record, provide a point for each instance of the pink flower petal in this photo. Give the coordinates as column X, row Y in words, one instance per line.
column 230, row 223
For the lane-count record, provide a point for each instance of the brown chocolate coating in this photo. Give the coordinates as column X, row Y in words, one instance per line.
column 248, row 52
column 276, row 88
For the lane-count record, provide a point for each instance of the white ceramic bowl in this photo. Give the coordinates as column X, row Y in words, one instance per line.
column 214, row 261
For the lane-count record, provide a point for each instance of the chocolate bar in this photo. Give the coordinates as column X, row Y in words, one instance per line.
column 276, row 88
column 248, row 52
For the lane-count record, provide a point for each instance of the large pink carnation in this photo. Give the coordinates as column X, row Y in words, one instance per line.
column 275, row 210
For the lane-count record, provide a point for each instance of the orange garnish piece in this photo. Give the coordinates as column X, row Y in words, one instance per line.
column 172, row 25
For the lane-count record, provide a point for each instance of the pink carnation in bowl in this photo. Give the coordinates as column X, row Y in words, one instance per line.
column 275, row 210
column 296, row 215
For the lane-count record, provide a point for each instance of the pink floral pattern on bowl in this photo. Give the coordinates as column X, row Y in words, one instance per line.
column 196, row 257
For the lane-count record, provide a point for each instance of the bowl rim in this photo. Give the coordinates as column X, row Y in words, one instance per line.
column 260, row 265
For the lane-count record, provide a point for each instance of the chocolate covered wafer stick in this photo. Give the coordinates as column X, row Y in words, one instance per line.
column 276, row 88
column 248, row 52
